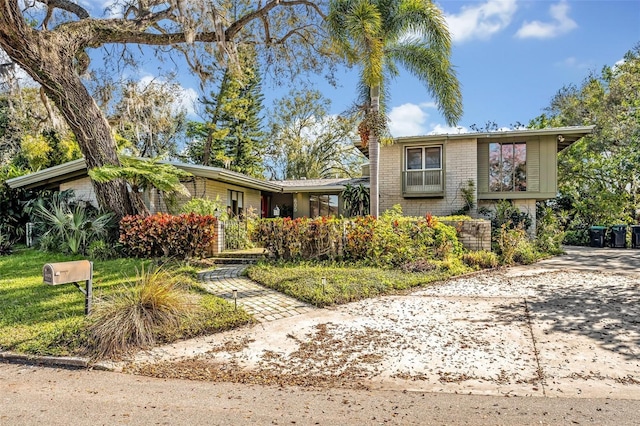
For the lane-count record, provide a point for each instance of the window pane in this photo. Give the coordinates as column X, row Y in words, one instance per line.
column 433, row 158
column 333, row 205
column 507, row 167
column 495, row 159
column 520, row 166
column 414, row 158
column 314, row 210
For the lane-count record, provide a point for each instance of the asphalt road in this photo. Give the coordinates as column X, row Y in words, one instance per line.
column 32, row 395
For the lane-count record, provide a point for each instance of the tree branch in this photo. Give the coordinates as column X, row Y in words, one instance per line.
column 67, row 6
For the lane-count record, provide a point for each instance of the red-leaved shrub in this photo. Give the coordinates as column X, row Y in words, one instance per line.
column 181, row 236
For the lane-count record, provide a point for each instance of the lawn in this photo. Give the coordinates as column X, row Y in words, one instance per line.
column 49, row 320
column 346, row 283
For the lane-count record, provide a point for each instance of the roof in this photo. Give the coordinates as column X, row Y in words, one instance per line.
column 78, row 168
column 319, row 185
column 569, row 135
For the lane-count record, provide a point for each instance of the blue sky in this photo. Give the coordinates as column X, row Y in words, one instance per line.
column 511, row 58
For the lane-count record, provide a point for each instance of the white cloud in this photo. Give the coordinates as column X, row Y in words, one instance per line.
column 407, row 120
column 561, row 24
column 573, row 62
column 481, row 21
column 439, row 129
column 185, row 97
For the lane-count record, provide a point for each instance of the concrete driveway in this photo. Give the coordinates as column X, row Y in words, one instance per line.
column 568, row 326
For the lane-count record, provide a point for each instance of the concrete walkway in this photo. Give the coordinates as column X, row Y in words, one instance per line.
column 263, row 303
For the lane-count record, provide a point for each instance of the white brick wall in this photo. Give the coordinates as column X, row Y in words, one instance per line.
column 82, row 189
column 461, row 165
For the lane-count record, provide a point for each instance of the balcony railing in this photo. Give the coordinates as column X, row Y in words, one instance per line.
column 422, row 182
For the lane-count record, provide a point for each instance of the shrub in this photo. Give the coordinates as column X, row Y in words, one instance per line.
column 155, row 302
column 205, row 207
column 181, row 236
column 102, row 250
column 481, row 259
column 6, row 242
column 510, row 242
column 549, row 236
column 391, row 240
column 418, row 266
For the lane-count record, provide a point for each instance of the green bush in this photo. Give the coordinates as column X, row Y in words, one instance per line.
column 481, row 259
column 102, row 250
column 389, row 241
column 549, row 236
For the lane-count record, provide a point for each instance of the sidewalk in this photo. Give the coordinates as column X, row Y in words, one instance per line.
column 263, row 303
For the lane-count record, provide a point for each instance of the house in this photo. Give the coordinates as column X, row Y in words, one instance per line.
column 423, row 174
column 241, row 193
column 429, row 173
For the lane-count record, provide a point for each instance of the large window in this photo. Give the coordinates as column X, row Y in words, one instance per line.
column 323, row 205
column 235, row 203
column 508, row 166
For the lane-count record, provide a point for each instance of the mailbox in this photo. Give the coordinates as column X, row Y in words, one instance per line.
column 67, row 272
column 71, row 272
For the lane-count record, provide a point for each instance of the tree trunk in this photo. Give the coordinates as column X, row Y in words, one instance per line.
column 50, row 59
column 374, row 156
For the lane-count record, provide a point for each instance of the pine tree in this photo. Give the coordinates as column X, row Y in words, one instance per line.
column 232, row 138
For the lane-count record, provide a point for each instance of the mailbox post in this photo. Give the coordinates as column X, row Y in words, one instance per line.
column 71, row 272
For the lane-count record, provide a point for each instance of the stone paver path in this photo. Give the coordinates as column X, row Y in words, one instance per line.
column 263, row 303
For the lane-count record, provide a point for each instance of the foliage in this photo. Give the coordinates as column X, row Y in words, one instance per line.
column 389, row 241
column 50, row 320
column 181, row 236
column 102, row 250
column 6, row 242
column 47, row 149
column 481, row 259
column 306, row 142
column 205, row 207
column 514, row 246
column 598, row 176
column 70, row 228
column 549, row 235
column 505, row 213
column 232, row 137
column 13, row 217
column 356, row 200
column 373, row 35
column 131, row 317
column 143, row 175
column 344, row 283
column 468, row 193
column 149, row 116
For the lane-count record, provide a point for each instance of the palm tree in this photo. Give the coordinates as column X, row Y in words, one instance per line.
column 379, row 35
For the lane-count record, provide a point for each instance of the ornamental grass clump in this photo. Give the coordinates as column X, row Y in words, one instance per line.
column 155, row 302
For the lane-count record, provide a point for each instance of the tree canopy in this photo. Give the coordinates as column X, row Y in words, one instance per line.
column 598, row 176
column 51, row 40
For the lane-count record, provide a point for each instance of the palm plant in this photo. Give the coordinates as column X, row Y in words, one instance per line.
column 142, row 174
column 72, row 226
column 379, row 35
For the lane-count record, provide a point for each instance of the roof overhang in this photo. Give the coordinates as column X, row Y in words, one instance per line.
column 52, row 175
column 565, row 136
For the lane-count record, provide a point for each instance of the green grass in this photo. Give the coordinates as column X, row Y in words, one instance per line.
column 49, row 320
column 345, row 283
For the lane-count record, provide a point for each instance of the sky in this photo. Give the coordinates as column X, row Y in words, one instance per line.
column 511, row 57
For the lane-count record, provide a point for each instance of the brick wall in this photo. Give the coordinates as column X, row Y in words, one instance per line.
column 461, row 165
column 82, row 189
column 473, row 234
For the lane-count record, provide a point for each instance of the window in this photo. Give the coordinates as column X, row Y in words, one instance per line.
column 423, row 170
column 235, row 203
column 424, row 158
column 508, row 166
column 323, row 205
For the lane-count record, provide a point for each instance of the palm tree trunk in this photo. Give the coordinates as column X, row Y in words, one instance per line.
column 374, row 155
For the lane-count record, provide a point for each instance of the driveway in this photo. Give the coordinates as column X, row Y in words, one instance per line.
column 568, row 326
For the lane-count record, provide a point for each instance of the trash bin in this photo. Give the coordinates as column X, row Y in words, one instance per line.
column 618, row 236
column 596, row 235
column 635, row 236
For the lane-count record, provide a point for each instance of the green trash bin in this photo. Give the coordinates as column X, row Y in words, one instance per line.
column 596, row 235
column 635, row 236
column 618, row 236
